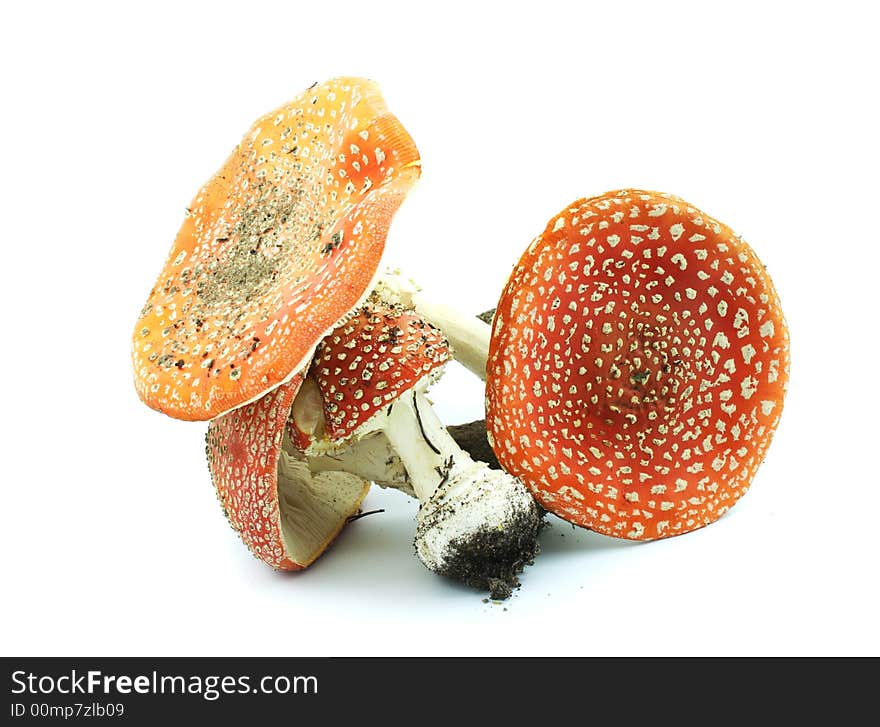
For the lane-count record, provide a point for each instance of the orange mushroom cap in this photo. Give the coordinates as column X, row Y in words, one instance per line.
column 371, row 360
column 244, row 449
column 279, row 245
column 638, row 365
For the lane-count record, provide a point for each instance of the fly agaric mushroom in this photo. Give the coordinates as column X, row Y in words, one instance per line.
column 637, row 367
column 363, row 410
column 286, row 515
column 278, row 246
column 468, row 336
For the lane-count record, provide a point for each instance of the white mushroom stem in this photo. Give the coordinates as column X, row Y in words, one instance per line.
column 372, row 456
column 475, row 524
column 408, row 448
column 468, row 336
column 426, row 449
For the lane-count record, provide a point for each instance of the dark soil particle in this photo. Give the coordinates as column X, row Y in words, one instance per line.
column 487, row 316
column 492, row 558
column 472, row 439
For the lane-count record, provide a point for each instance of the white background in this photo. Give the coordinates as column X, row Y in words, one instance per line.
column 762, row 114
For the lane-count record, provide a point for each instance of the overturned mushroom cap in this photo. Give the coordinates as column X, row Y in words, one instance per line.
column 286, row 515
column 638, row 365
column 275, row 249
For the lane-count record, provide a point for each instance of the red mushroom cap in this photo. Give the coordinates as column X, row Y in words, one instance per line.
column 275, row 249
column 244, row 448
column 372, row 360
column 637, row 367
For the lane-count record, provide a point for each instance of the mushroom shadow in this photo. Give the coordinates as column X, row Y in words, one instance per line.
column 374, row 559
column 374, row 555
column 558, row 536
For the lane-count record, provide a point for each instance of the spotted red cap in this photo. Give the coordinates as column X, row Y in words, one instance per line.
column 244, row 449
column 371, row 360
column 275, row 249
column 637, row 367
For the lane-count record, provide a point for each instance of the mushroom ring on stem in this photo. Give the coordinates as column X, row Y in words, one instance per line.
column 275, row 249
column 363, row 410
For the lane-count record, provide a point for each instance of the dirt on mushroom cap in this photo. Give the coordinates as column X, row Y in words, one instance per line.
column 638, row 366
column 371, row 360
column 275, row 249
